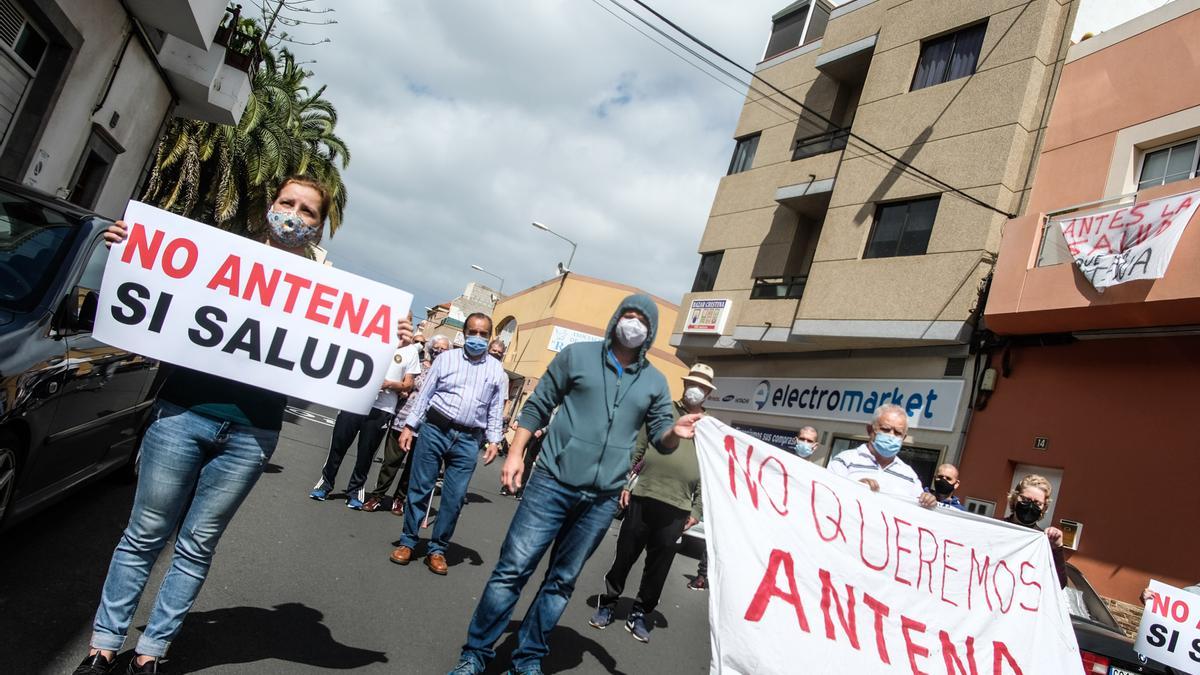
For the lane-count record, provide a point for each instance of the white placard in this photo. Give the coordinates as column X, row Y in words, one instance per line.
column 813, row 573
column 930, row 404
column 1129, row 242
column 561, row 337
column 193, row 295
column 707, row 315
column 1170, row 628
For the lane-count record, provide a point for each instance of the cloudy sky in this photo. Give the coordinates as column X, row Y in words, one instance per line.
column 467, row 119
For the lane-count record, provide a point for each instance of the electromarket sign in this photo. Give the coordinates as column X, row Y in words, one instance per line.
column 196, row 296
column 930, row 404
column 1130, row 242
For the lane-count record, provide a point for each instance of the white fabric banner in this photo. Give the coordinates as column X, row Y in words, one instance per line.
column 1170, row 628
column 813, row 573
column 196, row 296
column 1129, row 242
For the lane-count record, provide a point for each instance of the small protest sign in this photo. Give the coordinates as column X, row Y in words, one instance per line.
column 196, row 296
column 814, row 573
column 1170, row 628
column 1130, row 242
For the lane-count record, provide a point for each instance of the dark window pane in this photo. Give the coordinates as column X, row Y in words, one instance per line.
column 786, row 33
column 931, row 66
column 706, row 274
column 918, row 227
column 1179, row 164
column 30, row 47
column 967, row 44
column 1154, row 166
column 743, row 154
column 889, row 224
column 902, row 228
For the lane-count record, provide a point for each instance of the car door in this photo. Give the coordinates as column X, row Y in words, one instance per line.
column 102, row 387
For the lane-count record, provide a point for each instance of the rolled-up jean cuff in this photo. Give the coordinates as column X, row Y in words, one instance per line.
column 107, row 641
column 151, row 647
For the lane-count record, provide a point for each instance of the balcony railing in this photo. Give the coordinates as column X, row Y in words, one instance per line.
column 819, row 144
column 778, row 288
column 240, row 40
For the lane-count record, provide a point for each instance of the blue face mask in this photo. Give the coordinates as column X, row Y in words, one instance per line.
column 475, row 345
column 887, row 445
column 804, row 448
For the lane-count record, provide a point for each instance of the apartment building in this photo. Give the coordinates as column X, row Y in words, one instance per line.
column 839, row 270
column 1092, row 385
column 86, row 87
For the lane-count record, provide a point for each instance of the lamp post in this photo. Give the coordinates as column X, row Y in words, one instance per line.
column 543, row 227
column 477, row 268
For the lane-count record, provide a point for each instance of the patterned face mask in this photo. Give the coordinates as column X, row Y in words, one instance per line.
column 289, row 230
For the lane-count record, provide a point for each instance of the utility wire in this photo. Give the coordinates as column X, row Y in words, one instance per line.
column 869, row 144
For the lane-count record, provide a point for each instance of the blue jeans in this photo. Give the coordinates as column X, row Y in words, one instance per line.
column 574, row 521
column 460, row 451
column 195, row 470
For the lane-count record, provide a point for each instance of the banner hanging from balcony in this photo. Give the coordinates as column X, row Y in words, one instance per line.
column 1130, row 242
column 814, row 573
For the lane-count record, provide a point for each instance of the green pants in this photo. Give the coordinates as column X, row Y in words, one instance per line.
column 393, row 458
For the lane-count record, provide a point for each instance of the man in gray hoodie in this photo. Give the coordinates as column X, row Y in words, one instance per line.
column 604, row 392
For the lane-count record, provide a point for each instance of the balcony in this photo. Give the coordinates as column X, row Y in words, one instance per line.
column 213, row 84
column 193, row 21
column 819, row 144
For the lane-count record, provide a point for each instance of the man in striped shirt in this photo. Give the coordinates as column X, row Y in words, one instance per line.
column 461, row 403
column 877, row 463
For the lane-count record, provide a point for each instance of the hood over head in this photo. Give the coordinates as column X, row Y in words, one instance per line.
column 644, row 304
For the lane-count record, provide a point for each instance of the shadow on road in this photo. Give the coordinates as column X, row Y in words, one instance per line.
column 567, row 648
column 291, row 632
column 51, row 570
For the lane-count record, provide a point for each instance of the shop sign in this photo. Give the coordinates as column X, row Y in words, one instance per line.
column 1127, row 243
column 707, row 316
column 930, row 404
column 561, row 337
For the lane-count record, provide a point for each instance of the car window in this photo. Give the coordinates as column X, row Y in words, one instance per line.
column 87, row 289
column 1083, row 601
column 33, row 243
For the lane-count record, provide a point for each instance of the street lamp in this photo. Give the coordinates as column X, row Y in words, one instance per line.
column 545, row 228
column 477, row 268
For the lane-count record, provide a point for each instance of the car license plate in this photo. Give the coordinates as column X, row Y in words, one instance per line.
column 1120, row 671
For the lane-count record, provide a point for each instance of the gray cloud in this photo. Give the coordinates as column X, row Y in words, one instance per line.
column 469, row 119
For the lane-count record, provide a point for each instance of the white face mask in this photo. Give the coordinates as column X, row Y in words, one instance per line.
column 632, row 332
column 694, row 396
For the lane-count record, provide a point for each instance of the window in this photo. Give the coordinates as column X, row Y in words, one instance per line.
column 949, row 57
column 706, row 275
column 787, row 32
column 743, row 154
column 1167, row 165
column 902, row 228
column 30, row 47
column 770, row 288
column 87, row 289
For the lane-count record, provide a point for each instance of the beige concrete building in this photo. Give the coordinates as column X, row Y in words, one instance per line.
column 833, row 277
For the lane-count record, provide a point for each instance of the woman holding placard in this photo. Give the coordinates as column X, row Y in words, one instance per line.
column 202, row 454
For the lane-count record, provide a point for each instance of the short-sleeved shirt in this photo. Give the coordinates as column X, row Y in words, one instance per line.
column 897, row 479
column 224, row 399
column 406, row 361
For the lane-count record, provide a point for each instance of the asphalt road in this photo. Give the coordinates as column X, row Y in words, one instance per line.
column 300, row 586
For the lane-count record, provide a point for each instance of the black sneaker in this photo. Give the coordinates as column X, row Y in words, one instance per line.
column 95, row 664
column 699, row 583
column 151, row 667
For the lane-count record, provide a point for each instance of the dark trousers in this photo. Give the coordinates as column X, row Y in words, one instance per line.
column 702, row 567
column 531, row 454
column 394, row 459
column 652, row 526
column 370, row 429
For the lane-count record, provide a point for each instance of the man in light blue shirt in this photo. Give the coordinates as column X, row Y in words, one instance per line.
column 461, row 403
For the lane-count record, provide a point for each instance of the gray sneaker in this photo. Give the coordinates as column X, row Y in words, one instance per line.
column 602, row 617
column 637, row 627
column 466, row 667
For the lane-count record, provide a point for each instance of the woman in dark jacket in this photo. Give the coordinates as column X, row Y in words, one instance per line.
column 1028, row 501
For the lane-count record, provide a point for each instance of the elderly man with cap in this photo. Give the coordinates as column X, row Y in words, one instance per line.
column 661, row 501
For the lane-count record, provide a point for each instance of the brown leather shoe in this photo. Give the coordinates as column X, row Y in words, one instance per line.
column 372, row 504
column 436, row 562
column 397, row 506
column 402, row 555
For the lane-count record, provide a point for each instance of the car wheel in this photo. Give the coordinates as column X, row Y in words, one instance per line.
column 8, row 474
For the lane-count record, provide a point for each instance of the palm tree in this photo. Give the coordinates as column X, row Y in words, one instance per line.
column 225, row 175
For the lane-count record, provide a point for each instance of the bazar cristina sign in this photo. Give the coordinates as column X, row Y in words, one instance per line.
column 196, row 296
column 1130, row 242
column 561, row 337
column 930, row 404
column 707, row 316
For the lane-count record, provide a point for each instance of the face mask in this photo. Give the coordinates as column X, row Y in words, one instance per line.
column 475, row 345
column 434, row 353
column 632, row 332
column 804, row 448
column 1027, row 512
column 942, row 487
column 693, row 396
column 887, row 445
column 289, row 230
